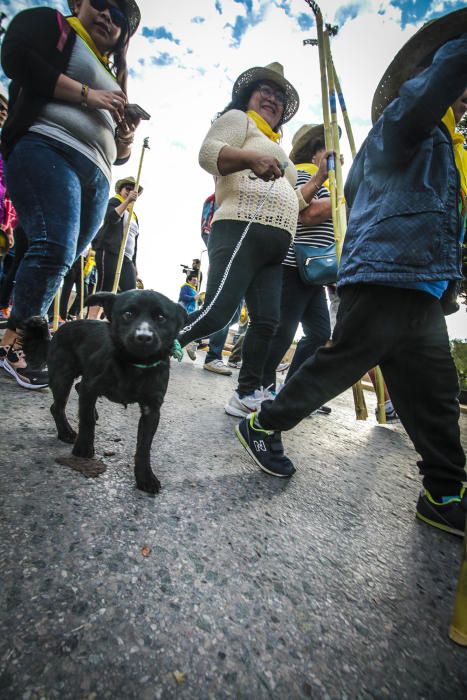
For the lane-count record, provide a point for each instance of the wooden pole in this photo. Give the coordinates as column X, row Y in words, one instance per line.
column 331, row 135
column 81, row 288
column 56, row 309
column 127, row 226
column 345, row 115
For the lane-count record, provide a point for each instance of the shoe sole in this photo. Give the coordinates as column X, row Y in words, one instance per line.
column 191, row 355
column 439, row 526
column 26, row 385
column 226, row 373
column 244, row 444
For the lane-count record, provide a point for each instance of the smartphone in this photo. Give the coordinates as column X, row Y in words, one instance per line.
column 136, row 111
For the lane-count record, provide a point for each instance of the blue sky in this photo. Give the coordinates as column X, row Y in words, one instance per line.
column 183, row 62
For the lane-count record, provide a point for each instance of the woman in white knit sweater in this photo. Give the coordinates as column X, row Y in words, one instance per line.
column 254, row 180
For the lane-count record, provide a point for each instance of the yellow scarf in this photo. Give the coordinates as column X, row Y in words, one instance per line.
column 120, row 199
column 263, row 126
column 311, row 169
column 76, row 24
column 460, row 154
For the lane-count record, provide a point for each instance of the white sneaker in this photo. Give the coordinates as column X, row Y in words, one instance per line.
column 218, row 367
column 236, row 364
column 282, row 366
column 191, row 350
column 269, row 394
column 241, row 407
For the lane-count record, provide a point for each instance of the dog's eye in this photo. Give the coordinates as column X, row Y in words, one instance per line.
column 161, row 318
column 128, row 315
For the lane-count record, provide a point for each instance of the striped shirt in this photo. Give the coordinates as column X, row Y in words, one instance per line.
column 320, row 236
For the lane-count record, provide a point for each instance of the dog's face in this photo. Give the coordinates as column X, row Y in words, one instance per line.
column 143, row 323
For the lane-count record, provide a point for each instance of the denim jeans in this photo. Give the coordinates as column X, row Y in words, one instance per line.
column 218, row 339
column 60, row 197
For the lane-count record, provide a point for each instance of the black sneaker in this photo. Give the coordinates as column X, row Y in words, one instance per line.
column 447, row 514
column 265, row 446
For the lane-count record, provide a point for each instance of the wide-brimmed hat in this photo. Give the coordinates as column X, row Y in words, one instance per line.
column 415, row 52
column 306, row 134
column 131, row 10
column 275, row 73
column 126, row 181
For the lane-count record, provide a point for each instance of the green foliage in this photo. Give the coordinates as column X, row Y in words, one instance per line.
column 459, row 353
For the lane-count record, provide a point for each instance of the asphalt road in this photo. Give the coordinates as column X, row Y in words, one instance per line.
column 229, row 583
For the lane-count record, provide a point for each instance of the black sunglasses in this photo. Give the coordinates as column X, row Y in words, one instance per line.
column 117, row 17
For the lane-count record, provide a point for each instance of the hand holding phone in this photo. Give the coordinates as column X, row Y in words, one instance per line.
column 134, row 112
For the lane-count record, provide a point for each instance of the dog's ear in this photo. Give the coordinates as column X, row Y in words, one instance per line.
column 181, row 316
column 105, row 299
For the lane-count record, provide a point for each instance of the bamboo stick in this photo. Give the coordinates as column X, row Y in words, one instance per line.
column 56, row 309
column 127, row 226
column 345, row 115
column 379, row 389
column 81, row 288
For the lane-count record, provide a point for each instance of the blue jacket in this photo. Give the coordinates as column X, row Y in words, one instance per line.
column 402, row 189
column 187, row 298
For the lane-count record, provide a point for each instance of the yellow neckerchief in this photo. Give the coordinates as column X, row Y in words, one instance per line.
column 460, row 154
column 76, row 24
column 189, row 285
column 311, row 169
column 263, row 126
column 120, row 199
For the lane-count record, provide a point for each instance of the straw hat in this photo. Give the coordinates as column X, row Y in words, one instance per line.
column 415, row 53
column 306, row 134
column 131, row 10
column 275, row 73
column 126, row 181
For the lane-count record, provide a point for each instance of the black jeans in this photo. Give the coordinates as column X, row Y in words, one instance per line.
column 404, row 332
column 300, row 303
column 21, row 246
column 255, row 274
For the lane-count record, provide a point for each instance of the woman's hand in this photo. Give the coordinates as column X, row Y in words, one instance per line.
column 266, row 167
column 113, row 101
column 131, row 197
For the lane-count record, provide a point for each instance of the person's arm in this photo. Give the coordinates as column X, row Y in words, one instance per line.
column 222, row 151
column 311, row 188
column 28, row 46
column 318, row 211
column 123, row 206
column 423, row 101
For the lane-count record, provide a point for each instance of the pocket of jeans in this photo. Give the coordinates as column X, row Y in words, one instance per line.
column 407, row 231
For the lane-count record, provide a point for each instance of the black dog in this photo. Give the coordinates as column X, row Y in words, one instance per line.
column 125, row 360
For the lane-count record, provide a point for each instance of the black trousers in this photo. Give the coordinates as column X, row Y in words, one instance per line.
column 106, row 264
column 403, row 331
column 255, row 275
column 300, row 303
column 21, row 246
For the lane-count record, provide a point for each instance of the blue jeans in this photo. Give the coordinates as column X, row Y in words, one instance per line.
column 60, row 197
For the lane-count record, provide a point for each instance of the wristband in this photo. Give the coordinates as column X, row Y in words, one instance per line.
column 84, row 95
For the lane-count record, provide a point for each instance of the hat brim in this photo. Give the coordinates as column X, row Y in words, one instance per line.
column 121, row 183
column 315, row 132
column 132, row 12
column 253, row 75
column 415, row 51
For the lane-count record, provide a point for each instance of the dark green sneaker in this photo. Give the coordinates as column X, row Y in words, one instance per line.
column 265, row 447
column 447, row 514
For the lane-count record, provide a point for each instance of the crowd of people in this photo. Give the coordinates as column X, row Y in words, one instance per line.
column 67, row 116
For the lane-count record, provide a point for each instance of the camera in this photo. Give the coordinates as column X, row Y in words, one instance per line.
column 186, row 269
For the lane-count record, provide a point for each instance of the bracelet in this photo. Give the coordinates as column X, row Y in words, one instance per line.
column 84, row 95
column 126, row 140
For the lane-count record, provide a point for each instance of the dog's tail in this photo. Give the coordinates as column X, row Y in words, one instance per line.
column 35, row 340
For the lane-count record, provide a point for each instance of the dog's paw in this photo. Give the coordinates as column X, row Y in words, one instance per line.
column 83, row 450
column 68, row 436
column 149, row 484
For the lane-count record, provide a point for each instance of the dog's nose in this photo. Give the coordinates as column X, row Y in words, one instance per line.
column 144, row 334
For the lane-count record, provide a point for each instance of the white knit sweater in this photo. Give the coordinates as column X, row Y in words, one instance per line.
column 237, row 195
